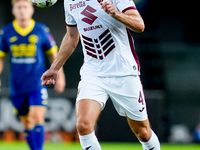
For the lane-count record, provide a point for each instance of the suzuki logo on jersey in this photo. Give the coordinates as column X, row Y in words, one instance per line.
column 90, row 18
column 99, row 47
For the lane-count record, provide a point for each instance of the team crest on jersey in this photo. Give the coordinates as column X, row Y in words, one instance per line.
column 33, row 39
column 99, row 47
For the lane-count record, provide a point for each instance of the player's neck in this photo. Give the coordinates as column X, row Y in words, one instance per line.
column 23, row 23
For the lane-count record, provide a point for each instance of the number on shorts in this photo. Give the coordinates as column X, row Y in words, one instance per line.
column 140, row 100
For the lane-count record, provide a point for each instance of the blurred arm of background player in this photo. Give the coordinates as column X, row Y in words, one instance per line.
column 131, row 18
column 67, row 47
column 60, row 82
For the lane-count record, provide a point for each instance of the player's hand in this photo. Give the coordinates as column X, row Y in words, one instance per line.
column 60, row 83
column 49, row 77
column 108, row 8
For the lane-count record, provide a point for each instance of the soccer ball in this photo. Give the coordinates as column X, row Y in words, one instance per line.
column 43, row 3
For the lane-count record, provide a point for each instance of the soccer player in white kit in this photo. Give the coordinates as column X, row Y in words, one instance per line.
column 110, row 69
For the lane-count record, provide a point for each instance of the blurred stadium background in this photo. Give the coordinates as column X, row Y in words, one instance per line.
column 169, row 52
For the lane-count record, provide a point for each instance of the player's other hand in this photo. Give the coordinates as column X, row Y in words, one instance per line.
column 108, row 8
column 49, row 77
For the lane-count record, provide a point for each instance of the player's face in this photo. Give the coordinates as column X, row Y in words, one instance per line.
column 23, row 10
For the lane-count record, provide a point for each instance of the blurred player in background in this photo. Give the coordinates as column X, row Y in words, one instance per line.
column 26, row 42
column 111, row 67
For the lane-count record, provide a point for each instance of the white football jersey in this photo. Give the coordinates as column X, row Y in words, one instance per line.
column 107, row 44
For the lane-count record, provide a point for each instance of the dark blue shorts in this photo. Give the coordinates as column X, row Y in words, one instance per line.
column 22, row 102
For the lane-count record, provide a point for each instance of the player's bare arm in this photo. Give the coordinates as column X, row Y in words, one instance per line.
column 131, row 18
column 60, row 82
column 67, row 47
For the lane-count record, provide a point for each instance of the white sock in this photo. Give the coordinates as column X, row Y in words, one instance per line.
column 152, row 144
column 89, row 142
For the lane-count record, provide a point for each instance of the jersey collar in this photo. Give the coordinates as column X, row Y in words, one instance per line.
column 25, row 31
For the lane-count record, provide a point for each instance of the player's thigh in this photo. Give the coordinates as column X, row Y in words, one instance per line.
column 141, row 129
column 90, row 100
column 37, row 113
column 91, row 88
column 37, row 104
column 87, row 113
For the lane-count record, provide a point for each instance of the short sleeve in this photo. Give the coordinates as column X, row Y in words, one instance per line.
column 69, row 19
column 49, row 45
column 3, row 44
column 124, row 5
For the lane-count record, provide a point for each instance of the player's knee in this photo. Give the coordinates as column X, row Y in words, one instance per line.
column 84, row 127
column 28, row 122
column 143, row 135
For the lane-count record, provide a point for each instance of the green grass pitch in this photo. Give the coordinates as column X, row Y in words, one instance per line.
column 105, row 146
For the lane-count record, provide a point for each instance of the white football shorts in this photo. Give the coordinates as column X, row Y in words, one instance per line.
column 125, row 92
